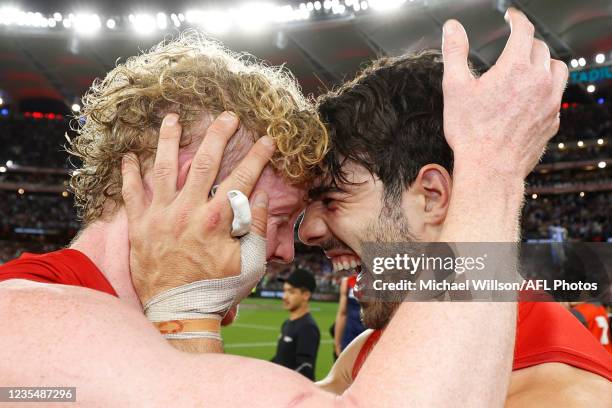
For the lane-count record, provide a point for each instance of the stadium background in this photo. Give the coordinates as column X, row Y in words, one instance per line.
column 51, row 51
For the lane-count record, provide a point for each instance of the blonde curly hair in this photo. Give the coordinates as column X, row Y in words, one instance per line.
column 191, row 75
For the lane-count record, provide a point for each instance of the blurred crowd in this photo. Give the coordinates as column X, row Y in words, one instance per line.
column 34, row 142
column 39, row 222
column 586, row 218
column 584, row 122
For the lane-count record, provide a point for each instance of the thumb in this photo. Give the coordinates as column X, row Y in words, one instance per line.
column 455, row 51
column 259, row 214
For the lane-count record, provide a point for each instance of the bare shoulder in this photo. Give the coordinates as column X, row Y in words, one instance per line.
column 60, row 335
column 558, row 385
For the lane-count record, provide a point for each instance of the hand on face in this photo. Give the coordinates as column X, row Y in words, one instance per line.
column 180, row 236
column 502, row 121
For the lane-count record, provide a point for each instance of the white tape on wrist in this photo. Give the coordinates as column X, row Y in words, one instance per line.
column 216, row 296
column 193, row 335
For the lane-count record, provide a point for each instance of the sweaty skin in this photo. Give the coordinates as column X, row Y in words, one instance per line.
column 545, row 385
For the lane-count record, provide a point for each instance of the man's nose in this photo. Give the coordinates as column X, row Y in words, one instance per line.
column 312, row 229
column 284, row 251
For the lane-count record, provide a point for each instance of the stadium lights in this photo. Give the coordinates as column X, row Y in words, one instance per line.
column 600, row 141
column 601, row 164
column 386, row 5
column 581, row 62
column 600, row 58
column 216, row 22
column 162, row 21
column 76, row 107
column 582, row 194
column 590, row 88
column 534, row 196
column 64, row 194
column 580, row 143
column 21, row 191
column 144, row 23
column 2, row 169
column 9, row 163
column 1, row 101
column 253, row 17
column 175, row 20
column 561, row 146
column 574, row 63
column 86, row 23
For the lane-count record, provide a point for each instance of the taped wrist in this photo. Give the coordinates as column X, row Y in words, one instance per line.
column 208, row 328
column 203, row 298
column 216, row 296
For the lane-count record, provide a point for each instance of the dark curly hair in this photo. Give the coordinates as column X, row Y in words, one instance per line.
column 388, row 119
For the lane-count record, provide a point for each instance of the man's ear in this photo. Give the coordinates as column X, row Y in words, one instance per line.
column 435, row 184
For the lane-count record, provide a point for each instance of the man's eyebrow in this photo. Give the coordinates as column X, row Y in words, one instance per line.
column 316, row 192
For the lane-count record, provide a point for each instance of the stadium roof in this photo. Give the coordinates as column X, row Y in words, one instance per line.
column 60, row 65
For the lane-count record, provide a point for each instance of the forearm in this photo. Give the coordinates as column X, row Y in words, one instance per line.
column 484, row 207
column 198, row 345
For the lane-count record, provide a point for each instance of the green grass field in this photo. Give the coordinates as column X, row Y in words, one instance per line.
column 255, row 332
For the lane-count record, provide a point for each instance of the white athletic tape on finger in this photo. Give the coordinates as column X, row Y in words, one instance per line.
column 241, row 224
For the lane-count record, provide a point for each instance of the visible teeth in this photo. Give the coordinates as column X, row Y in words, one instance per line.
column 345, row 265
column 353, row 263
column 335, row 265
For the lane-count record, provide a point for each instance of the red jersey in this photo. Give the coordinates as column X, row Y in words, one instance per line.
column 66, row 267
column 546, row 333
column 596, row 320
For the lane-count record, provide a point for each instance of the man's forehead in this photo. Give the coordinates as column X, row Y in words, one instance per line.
column 281, row 194
column 354, row 175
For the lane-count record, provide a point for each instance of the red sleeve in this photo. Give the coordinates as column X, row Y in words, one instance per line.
column 67, row 267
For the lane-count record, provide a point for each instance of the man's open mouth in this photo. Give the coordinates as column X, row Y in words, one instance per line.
column 351, row 264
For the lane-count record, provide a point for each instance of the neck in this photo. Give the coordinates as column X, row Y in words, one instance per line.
column 299, row 312
column 106, row 244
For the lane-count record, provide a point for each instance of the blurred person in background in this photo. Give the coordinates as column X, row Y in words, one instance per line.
column 348, row 323
column 299, row 340
column 594, row 316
